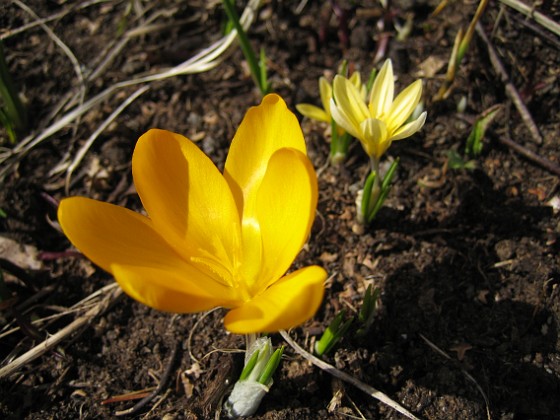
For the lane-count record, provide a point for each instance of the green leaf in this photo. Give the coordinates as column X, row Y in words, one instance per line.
column 482, row 123
column 385, row 188
column 343, row 68
column 249, row 366
column 367, row 306
column 263, row 74
column 13, row 113
column 455, row 161
column 366, row 198
column 368, row 310
column 371, row 79
column 334, row 332
column 271, row 366
column 8, row 126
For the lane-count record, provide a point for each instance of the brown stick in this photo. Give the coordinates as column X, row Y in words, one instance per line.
column 511, row 92
column 532, row 156
column 162, row 381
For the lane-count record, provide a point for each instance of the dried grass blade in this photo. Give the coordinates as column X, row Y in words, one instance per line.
column 203, row 61
column 371, row 391
column 56, row 338
column 86, row 146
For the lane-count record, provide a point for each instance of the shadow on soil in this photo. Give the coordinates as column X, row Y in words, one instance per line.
column 460, row 301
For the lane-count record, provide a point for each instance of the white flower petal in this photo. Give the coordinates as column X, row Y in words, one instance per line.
column 313, row 112
column 349, row 99
column 342, row 119
column 404, row 105
column 325, row 89
column 409, row 129
column 382, row 91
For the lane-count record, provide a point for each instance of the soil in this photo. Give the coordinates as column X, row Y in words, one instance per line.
column 466, row 259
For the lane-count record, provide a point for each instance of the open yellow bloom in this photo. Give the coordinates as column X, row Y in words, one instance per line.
column 382, row 121
column 210, row 239
column 325, row 90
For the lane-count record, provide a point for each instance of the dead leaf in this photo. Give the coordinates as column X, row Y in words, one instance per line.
column 327, row 257
column 24, row 256
column 430, row 66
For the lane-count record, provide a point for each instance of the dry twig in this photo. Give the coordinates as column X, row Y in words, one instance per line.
column 162, row 381
column 511, row 92
column 532, row 156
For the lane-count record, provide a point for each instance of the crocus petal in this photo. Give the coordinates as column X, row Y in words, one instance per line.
column 264, row 130
column 404, row 105
column 374, row 137
column 112, row 236
column 382, row 91
column 313, row 112
column 285, row 206
column 325, row 90
column 409, row 129
column 356, row 80
column 107, row 234
column 343, row 120
column 289, row 302
column 187, row 198
column 169, row 291
column 348, row 98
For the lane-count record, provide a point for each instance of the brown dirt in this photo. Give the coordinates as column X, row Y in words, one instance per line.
column 467, row 259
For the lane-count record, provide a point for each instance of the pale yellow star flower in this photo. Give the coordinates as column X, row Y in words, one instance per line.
column 325, row 91
column 383, row 120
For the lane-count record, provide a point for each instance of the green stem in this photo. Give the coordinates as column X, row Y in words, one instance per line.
column 249, row 340
column 339, row 144
column 464, row 45
column 375, row 189
column 245, row 46
column 375, row 168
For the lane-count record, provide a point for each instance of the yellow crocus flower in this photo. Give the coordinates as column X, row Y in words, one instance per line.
column 209, row 239
column 377, row 124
